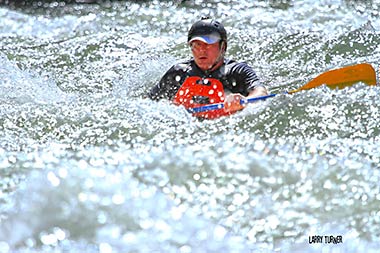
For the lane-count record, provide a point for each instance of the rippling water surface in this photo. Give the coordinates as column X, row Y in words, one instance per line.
column 88, row 165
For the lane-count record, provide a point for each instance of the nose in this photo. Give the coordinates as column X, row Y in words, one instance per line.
column 202, row 48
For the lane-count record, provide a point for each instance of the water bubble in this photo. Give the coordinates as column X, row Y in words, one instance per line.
column 185, row 249
column 118, row 199
column 54, row 180
column 219, row 233
column 105, row 248
column 328, row 184
column 4, row 247
column 48, row 239
column 196, row 177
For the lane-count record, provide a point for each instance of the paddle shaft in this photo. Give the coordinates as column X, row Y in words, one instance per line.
column 211, row 107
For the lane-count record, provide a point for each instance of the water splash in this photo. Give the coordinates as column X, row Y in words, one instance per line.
column 268, row 176
column 20, row 86
column 106, row 207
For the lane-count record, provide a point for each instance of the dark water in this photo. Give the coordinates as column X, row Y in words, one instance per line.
column 88, row 165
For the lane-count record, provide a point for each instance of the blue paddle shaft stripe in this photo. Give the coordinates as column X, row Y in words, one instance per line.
column 206, row 108
column 221, row 105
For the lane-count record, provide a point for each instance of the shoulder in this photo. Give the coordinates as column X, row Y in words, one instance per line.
column 170, row 81
column 243, row 74
column 177, row 72
column 182, row 65
column 238, row 68
column 237, row 65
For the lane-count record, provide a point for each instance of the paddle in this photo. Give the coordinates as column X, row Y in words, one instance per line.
column 337, row 78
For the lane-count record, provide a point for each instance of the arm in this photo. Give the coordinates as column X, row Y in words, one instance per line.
column 258, row 91
column 249, row 84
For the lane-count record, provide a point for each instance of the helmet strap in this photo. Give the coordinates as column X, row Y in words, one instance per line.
column 220, row 57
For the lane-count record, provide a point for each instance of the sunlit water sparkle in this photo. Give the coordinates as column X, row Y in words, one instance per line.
column 87, row 164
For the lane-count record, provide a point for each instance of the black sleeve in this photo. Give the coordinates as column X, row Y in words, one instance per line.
column 246, row 77
column 168, row 85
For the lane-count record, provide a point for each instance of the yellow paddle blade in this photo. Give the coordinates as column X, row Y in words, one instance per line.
column 343, row 77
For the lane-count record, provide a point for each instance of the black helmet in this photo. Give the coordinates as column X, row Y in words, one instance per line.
column 207, row 30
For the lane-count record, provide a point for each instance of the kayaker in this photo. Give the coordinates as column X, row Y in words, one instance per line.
column 209, row 77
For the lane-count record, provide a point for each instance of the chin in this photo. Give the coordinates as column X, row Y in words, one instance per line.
column 204, row 66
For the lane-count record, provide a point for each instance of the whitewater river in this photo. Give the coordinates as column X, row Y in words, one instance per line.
column 87, row 164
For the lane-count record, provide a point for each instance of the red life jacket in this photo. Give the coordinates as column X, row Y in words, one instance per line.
column 196, row 92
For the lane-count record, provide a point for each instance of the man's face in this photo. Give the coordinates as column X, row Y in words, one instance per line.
column 205, row 55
